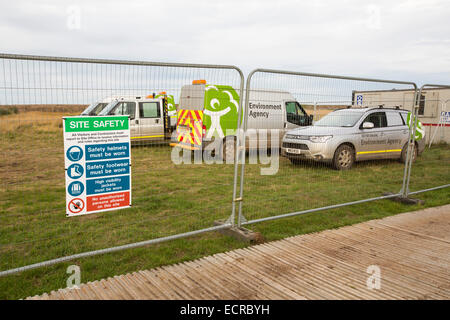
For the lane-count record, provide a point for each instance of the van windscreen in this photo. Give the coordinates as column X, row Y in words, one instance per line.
column 340, row 119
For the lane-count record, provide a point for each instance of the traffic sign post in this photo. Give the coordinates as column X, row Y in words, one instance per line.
column 97, row 164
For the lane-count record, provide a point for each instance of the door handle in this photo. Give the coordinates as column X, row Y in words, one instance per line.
column 136, row 121
column 156, row 120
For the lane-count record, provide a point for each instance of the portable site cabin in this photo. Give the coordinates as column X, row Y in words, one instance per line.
column 434, row 108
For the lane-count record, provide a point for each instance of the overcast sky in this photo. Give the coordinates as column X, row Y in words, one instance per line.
column 401, row 40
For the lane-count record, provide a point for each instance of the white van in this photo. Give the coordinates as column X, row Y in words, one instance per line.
column 208, row 112
column 149, row 117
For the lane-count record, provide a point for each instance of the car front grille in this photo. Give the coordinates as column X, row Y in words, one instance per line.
column 292, row 145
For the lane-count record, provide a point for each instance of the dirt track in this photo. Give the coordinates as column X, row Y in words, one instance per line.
column 412, row 251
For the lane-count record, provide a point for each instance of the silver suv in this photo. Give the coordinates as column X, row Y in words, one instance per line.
column 348, row 135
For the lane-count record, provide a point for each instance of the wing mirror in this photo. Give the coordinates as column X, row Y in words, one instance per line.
column 368, row 125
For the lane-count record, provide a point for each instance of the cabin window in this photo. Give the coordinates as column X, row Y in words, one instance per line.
column 394, row 119
column 421, row 105
column 125, row 109
column 149, row 110
column 378, row 119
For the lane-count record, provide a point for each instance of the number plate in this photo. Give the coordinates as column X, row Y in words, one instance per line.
column 183, row 130
column 296, row 151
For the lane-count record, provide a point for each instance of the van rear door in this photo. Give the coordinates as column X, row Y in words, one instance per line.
column 190, row 116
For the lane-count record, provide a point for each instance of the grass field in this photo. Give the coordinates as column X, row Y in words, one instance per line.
column 169, row 199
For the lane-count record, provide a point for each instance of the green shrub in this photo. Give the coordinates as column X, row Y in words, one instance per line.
column 8, row 110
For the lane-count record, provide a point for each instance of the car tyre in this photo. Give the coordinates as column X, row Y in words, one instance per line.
column 295, row 162
column 405, row 151
column 344, row 157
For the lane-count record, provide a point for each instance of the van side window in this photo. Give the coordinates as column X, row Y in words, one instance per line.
column 378, row 119
column 421, row 110
column 291, row 108
column 125, row 109
column 294, row 108
column 149, row 110
column 294, row 113
column 394, row 119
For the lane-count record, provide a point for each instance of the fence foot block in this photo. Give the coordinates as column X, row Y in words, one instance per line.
column 404, row 200
column 241, row 234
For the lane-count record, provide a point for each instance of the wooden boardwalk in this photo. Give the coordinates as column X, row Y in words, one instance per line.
column 412, row 251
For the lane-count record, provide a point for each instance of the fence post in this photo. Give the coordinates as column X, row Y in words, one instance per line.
column 411, row 138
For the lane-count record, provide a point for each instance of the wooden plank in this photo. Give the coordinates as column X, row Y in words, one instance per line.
column 250, row 280
column 393, row 254
column 204, row 276
column 412, row 250
column 400, row 250
column 121, row 289
column 328, row 275
column 139, row 291
column 303, row 271
column 439, row 250
column 363, row 261
column 171, row 283
column 147, row 286
column 196, row 290
column 367, row 258
column 351, row 269
column 280, row 289
column 167, row 290
column 423, row 235
column 243, row 285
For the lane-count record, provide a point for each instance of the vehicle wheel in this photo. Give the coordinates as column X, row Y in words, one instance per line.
column 344, row 157
column 405, row 151
column 228, row 150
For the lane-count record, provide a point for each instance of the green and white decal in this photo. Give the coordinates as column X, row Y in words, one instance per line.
column 172, row 110
column 221, row 111
column 420, row 131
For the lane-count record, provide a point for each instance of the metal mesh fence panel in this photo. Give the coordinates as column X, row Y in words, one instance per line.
column 168, row 198
column 429, row 169
column 298, row 173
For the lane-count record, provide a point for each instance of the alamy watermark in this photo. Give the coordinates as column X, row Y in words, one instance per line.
column 373, row 20
column 374, row 280
column 262, row 145
column 74, row 280
column 73, row 21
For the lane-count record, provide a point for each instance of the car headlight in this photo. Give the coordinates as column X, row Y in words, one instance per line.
column 320, row 139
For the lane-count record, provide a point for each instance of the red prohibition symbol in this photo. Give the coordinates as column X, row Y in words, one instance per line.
column 76, row 205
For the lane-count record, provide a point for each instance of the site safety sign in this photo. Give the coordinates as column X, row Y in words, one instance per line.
column 97, row 164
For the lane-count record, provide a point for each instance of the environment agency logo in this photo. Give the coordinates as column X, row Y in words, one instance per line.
column 221, row 110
